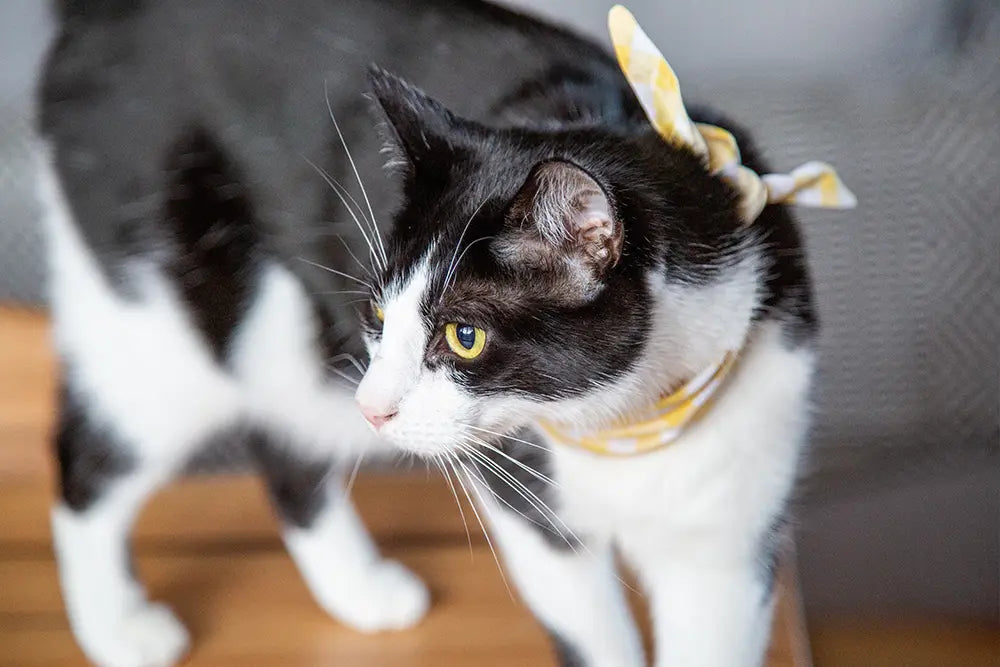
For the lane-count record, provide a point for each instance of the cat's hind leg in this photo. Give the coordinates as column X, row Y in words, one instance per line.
column 141, row 392
column 103, row 486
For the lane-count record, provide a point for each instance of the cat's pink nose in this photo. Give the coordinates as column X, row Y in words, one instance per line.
column 375, row 416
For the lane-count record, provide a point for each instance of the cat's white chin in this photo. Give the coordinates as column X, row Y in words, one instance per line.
column 424, row 443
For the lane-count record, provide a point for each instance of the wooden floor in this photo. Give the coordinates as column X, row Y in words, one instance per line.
column 209, row 547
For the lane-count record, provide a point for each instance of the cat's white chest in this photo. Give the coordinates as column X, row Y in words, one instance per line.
column 734, row 465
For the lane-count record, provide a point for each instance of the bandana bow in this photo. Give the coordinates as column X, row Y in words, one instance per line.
column 814, row 184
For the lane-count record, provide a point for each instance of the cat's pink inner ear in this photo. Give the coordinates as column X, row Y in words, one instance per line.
column 594, row 228
column 566, row 209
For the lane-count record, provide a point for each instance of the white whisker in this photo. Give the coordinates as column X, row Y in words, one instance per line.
column 329, row 107
column 537, row 503
column 341, row 191
column 546, row 513
column 458, row 244
column 518, row 487
column 515, row 484
column 454, row 493
column 344, row 376
column 531, row 471
column 507, row 504
column 509, row 437
column 337, row 187
column 339, row 291
column 482, row 238
column 347, row 356
column 489, row 542
column 335, row 271
column 353, row 301
column 357, row 261
column 354, row 475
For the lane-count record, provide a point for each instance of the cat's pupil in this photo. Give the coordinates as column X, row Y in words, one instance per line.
column 466, row 335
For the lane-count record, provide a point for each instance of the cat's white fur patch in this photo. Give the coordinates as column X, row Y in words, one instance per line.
column 151, row 382
column 138, row 364
column 429, row 406
column 280, row 370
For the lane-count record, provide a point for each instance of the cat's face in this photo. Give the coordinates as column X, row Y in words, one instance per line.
column 563, row 275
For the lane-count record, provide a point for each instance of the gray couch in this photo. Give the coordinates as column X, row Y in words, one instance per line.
column 901, row 500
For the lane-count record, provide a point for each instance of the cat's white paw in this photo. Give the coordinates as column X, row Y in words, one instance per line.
column 148, row 636
column 387, row 597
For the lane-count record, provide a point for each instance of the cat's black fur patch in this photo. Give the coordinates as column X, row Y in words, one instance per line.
column 97, row 9
column 527, row 501
column 215, row 261
column 566, row 653
column 570, row 94
column 788, row 288
column 787, row 295
column 88, row 454
column 298, row 488
column 772, row 548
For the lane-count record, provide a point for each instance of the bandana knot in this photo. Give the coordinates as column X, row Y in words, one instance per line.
column 813, row 184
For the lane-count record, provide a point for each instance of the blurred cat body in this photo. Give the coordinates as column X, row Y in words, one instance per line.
column 190, row 176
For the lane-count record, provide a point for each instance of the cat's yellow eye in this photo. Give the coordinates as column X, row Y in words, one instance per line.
column 377, row 309
column 465, row 340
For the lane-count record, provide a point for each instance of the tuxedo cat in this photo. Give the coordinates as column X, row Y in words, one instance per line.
column 553, row 264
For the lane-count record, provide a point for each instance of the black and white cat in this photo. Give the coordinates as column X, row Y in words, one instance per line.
column 552, row 260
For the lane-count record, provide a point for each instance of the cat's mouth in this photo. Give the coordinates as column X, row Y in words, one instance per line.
column 428, row 437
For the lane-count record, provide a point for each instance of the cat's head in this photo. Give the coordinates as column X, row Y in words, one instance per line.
column 564, row 274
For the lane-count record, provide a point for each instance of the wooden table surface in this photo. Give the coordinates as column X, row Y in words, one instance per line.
column 209, row 547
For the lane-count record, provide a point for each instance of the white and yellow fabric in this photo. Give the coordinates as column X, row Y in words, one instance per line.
column 659, row 426
column 814, row 184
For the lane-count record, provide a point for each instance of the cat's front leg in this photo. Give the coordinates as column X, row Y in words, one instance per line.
column 571, row 587
column 331, row 546
column 707, row 612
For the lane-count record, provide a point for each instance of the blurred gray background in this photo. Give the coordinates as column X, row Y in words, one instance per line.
column 900, row 506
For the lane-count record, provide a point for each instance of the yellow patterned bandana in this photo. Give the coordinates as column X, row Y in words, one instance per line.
column 814, row 184
column 659, row 426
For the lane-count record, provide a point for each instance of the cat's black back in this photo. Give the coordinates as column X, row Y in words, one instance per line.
column 135, row 94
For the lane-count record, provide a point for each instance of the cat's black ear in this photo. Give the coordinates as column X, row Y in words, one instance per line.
column 562, row 220
column 416, row 125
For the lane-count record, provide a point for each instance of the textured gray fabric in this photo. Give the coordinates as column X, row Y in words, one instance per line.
column 21, row 269
column 24, row 33
column 907, row 284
